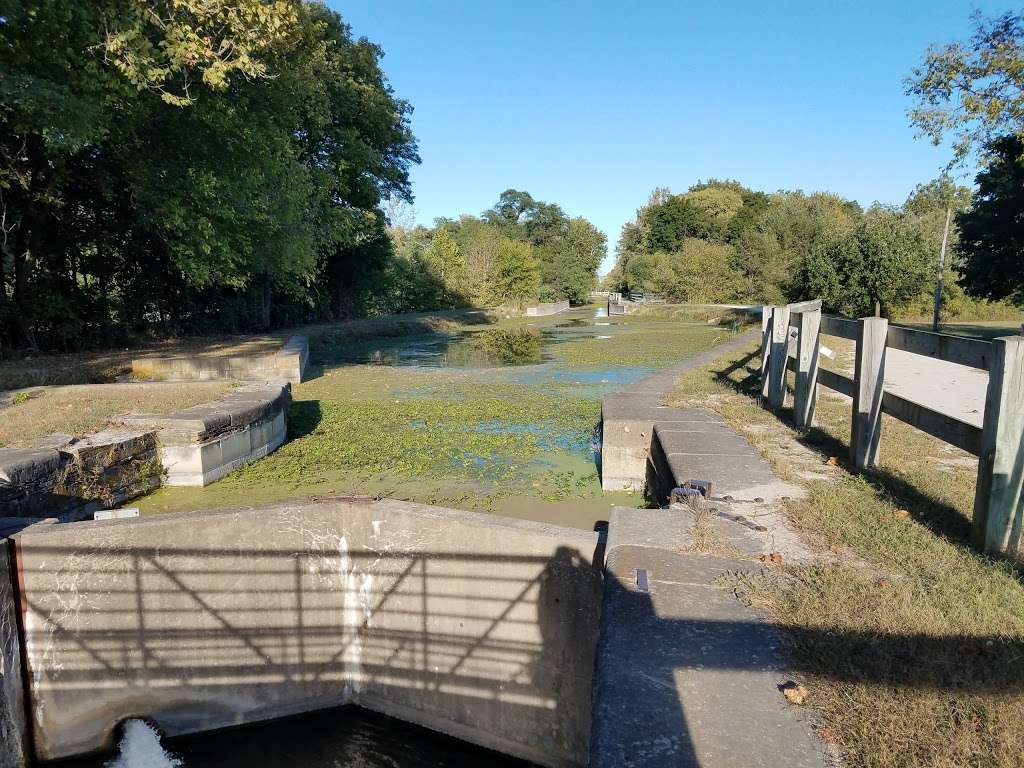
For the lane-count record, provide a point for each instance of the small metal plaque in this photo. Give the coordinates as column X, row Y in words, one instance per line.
column 641, row 580
column 116, row 514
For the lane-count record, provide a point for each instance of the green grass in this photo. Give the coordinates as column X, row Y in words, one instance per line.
column 911, row 642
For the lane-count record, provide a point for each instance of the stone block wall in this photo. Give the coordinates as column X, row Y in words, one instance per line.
column 68, row 478
column 200, row 445
column 548, row 309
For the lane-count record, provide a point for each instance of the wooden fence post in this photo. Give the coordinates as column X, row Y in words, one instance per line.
column 998, row 508
column 766, row 346
column 778, row 361
column 869, row 380
column 808, row 342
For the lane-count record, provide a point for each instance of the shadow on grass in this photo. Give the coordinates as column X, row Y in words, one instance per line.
column 303, row 418
column 936, row 514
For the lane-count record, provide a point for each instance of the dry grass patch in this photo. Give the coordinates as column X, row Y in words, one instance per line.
column 78, row 410
column 913, row 644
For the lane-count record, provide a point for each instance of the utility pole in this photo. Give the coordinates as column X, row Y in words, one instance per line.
column 942, row 264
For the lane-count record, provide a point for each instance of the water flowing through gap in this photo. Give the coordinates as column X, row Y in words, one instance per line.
column 348, row 737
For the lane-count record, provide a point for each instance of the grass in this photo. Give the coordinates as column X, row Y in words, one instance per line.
column 80, row 410
column 911, row 643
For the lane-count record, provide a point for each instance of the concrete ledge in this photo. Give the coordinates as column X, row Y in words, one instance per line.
column 69, row 477
column 200, row 445
column 687, row 675
column 628, row 418
column 288, row 363
column 548, row 309
column 474, row 625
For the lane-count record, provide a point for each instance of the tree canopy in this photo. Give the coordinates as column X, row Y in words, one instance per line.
column 189, row 165
column 992, row 229
column 972, row 92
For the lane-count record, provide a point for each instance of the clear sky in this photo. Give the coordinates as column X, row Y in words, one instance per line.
column 593, row 104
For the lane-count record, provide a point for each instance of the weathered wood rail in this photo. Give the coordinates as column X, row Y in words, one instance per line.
column 793, row 332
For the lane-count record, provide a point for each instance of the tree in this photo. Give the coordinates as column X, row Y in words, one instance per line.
column 972, row 92
column 517, row 276
column 181, row 165
column 992, row 230
column 443, row 259
column 883, row 258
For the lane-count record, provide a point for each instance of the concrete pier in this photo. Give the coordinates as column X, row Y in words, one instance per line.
column 473, row 625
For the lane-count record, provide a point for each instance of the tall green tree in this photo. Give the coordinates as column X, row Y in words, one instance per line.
column 883, row 258
column 517, row 275
column 992, row 229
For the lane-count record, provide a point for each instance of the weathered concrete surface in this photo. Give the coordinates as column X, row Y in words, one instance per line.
column 70, row 477
column 628, row 418
column 548, row 309
column 711, row 450
column 478, row 626
column 14, row 744
column 201, row 444
column 288, row 364
column 687, row 676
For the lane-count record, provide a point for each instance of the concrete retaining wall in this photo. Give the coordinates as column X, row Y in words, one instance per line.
column 13, row 728
column 287, row 364
column 201, row 444
column 474, row 625
column 68, row 478
column 548, row 309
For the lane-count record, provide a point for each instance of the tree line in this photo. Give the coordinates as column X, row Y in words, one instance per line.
column 521, row 250
column 720, row 241
column 173, row 167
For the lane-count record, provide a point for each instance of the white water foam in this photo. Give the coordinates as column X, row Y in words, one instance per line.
column 140, row 748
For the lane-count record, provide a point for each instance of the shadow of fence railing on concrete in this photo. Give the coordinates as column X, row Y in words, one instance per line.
column 793, row 333
column 494, row 649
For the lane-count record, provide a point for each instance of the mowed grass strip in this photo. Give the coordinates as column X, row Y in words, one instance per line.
column 79, row 410
column 911, row 643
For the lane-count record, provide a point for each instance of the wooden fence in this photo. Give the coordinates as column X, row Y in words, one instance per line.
column 793, row 332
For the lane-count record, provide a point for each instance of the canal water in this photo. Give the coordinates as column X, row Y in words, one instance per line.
column 347, row 737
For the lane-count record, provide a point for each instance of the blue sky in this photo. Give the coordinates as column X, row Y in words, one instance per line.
column 592, row 105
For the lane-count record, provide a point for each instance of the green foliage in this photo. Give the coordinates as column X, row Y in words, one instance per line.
column 883, row 258
column 444, row 261
column 972, row 92
column 516, row 273
column 992, row 230
column 181, row 165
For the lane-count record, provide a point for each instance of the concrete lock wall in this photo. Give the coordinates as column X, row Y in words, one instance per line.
column 13, row 728
column 288, row 364
column 474, row 625
column 548, row 309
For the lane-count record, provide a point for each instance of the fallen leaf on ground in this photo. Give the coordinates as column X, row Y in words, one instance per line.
column 773, row 557
column 794, row 692
column 902, row 513
column 832, row 461
column 829, row 734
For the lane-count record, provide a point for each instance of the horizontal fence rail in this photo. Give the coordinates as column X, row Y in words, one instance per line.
column 791, row 338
